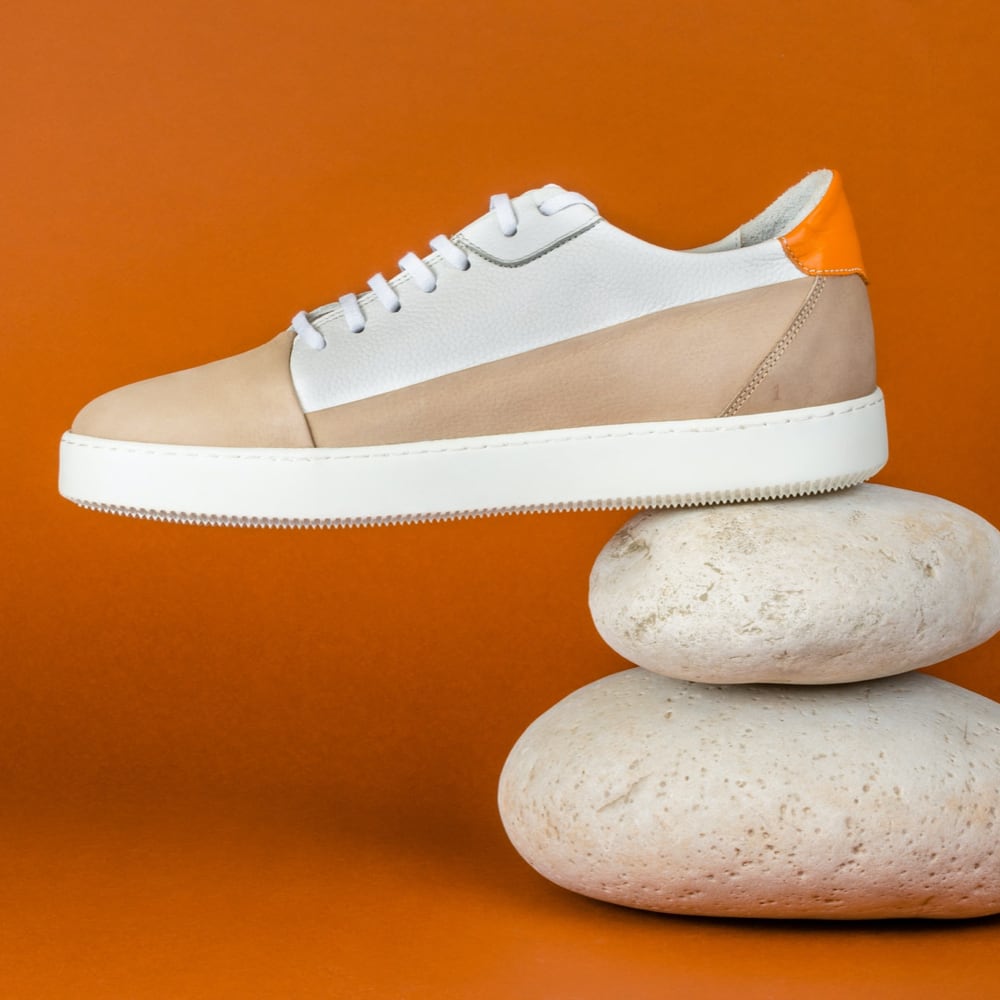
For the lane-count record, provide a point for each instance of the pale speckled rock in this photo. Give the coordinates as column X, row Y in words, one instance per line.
column 848, row 586
column 865, row 800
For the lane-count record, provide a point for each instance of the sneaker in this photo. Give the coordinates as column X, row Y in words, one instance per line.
column 540, row 359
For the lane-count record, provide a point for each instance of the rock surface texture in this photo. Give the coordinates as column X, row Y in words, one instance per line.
column 847, row 586
column 877, row 799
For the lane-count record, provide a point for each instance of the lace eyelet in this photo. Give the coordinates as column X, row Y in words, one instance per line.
column 448, row 250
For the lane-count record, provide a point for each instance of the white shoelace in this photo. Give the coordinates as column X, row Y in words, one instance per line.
column 419, row 271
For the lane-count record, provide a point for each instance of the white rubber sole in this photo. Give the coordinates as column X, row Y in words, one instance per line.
column 670, row 464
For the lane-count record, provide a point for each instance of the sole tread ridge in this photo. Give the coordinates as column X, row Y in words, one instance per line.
column 776, row 492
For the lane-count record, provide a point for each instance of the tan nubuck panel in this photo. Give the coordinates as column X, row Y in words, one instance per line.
column 246, row 401
column 794, row 344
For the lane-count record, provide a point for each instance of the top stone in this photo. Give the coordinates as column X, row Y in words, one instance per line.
column 848, row 586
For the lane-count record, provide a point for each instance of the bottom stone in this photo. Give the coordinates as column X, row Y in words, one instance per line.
column 868, row 800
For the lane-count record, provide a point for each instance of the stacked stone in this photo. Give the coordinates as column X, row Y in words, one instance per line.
column 774, row 754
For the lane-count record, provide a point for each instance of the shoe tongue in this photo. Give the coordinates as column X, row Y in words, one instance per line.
column 566, row 212
column 545, row 191
column 554, row 191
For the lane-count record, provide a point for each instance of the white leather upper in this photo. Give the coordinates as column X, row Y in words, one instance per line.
column 559, row 276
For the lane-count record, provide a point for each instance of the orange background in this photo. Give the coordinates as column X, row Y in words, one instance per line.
column 263, row 763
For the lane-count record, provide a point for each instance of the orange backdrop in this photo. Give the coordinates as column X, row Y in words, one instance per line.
column 263, row 763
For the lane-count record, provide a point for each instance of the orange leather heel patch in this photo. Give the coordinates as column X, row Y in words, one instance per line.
column 825, row 241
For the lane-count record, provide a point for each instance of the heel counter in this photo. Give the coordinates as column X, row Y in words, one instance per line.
column 826, row 242
column 827, row 355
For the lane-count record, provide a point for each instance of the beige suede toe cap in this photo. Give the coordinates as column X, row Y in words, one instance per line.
column 246, row 401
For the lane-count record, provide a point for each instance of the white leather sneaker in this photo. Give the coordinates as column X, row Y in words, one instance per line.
column 540, row 359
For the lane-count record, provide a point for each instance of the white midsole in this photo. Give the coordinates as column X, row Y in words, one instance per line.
column 673, row 462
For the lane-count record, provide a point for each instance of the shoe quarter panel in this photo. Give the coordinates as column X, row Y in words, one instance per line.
column 826, row 356
column 675, row 364
column 601, row 278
